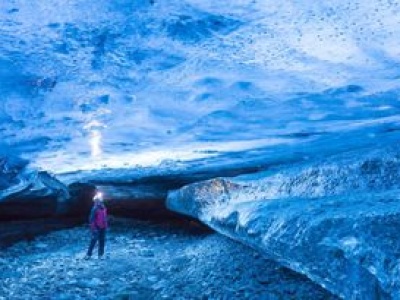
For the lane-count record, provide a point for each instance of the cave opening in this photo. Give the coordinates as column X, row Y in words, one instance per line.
column 28, row 223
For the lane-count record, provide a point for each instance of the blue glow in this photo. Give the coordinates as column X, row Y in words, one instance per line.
column 112, row 91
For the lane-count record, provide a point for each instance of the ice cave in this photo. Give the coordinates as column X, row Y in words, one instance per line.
column 245, row 149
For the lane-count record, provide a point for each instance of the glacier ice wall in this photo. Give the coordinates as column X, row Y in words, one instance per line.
column 26, row 193
column 335, row 220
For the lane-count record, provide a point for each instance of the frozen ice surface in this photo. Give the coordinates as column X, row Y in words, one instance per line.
column 88, row 85
column 335, row 220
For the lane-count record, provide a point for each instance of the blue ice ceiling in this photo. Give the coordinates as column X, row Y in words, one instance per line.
column 115, row 84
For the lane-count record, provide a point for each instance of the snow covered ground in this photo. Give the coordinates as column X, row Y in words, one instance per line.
column 147, row 261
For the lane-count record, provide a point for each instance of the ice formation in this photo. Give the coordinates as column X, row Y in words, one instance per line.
column 334, row 220
column 116, row 84
column 123, row 94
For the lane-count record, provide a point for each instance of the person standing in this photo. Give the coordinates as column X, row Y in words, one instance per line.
column 98, row 226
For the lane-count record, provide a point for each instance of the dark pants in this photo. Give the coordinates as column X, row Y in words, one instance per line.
column 97, row 235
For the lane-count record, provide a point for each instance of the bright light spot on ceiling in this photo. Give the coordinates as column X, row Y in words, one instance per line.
column 95, row 143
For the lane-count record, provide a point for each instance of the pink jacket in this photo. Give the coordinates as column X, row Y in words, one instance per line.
column 98, row 217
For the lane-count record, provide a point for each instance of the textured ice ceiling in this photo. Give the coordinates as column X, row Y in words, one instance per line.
column 118, row 83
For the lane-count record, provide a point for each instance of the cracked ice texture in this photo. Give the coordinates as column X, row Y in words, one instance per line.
column 335, row 220
column 25, row 193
